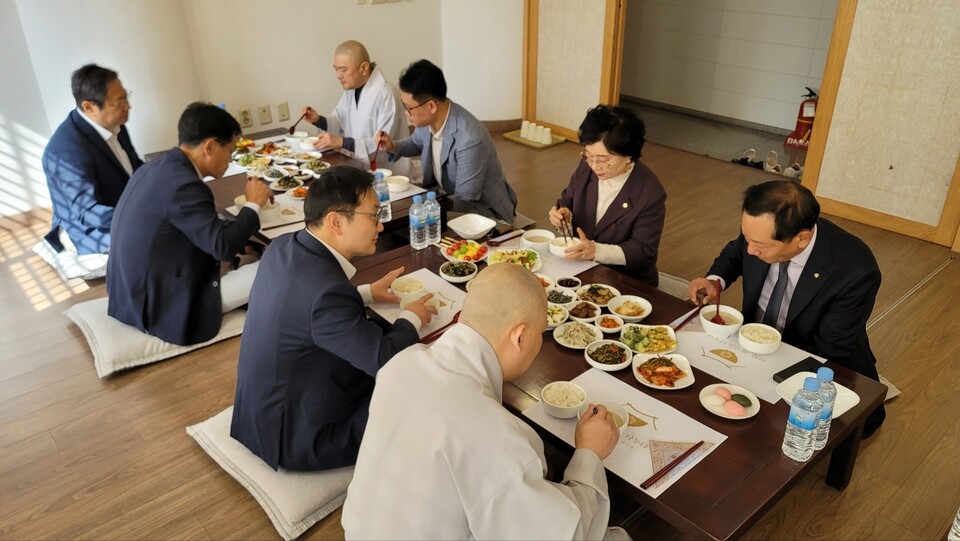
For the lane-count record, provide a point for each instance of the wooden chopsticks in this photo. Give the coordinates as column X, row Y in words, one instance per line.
column 666, row 469
column 565, row 229
column 692, row 315
column 436, row 334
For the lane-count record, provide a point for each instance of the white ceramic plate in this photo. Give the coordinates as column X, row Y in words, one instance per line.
column 670, row 332
column 846, row 398
column 562, row 312
column 584, row 288
column 734, row 389
column 275, row 185
column 679, row 360
column 617, row 301
column 443, row 252
column 558, row 332
column 537, row 265
column 458, row 279
column 314, row 155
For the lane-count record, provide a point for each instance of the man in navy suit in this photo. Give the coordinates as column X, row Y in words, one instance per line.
column 455, row 149
column 89, row 160
column 830, row 278
column 163, row 275
column 309, row 355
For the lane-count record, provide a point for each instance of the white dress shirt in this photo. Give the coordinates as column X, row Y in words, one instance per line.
column 364, row 290
column 436, row 147
column 607, row 191
column 110, row 137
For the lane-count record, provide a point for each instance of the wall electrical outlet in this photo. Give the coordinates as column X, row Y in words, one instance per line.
column 246, row 118
column 263, row 112
column 283, row 111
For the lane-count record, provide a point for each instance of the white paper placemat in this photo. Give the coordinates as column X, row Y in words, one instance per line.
column 451, row 301
column 726, row 359
column 655, row 434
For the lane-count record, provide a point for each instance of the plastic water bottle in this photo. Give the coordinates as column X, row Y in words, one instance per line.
column 954, row 533
column 383, row 194
column 433, row 218
column 418, row 224
column 805, row 411
column 828, row 395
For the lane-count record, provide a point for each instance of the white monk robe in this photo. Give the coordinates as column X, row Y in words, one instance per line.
column 442, row 459
column 380, row 109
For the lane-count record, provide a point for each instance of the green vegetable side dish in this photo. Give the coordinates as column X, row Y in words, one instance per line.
column 742, row 400
column 608, row 354
column 246, row 159
column 559, row 297
column 458, row 269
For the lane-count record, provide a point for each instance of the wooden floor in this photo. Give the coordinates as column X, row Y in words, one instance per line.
column 84, row 458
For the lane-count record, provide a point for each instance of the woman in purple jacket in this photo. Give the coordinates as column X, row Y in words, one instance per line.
column 615, row 203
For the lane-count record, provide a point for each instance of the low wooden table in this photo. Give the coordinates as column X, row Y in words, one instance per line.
column 722, row 496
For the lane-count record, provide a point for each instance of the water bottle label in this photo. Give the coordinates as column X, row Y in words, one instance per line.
column 804, row 419
column 827, row 412
column 384, row 197
column 414, row 222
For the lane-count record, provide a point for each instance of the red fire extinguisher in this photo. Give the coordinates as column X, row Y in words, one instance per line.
column 800, row 137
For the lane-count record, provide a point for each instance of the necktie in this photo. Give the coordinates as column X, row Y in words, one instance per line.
column 776, row 298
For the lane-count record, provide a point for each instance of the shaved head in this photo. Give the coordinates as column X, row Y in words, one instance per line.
column 507, row 305
column 353, row 49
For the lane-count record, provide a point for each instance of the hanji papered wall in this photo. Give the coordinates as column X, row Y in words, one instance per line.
column 569, row 56
column 895, row 135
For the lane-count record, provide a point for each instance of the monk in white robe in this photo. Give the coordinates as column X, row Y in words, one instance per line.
column 442, row 459
column 369, row 104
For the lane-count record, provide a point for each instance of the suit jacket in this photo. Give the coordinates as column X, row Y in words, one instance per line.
column 470, row 168
column 308, row 357
column 163, row 274
column 85, row 180
column 634, row 220
column 831, row 302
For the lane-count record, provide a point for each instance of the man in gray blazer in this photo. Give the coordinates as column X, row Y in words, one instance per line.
column 455, row 149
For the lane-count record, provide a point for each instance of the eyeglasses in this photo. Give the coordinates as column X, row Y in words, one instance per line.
column 121, row 101
column 596, row 162
column 410, row 109
column 375, row 215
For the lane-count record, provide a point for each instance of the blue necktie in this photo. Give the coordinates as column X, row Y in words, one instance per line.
column 776, row 298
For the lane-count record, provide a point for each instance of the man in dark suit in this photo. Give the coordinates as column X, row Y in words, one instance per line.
column 802, row 274
column 89, row 160
column 455, row 149
column 163, row 275
column 309, row 355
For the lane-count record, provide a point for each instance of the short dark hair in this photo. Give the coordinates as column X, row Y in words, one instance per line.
column 793, row 206
column 339, row 188
column 620, row 130
column 90, row 83
column 201, row 120
column 424, row 81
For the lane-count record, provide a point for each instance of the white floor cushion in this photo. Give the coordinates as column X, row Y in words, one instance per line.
column 294, row 501
column 117, row 346
column 70, row 265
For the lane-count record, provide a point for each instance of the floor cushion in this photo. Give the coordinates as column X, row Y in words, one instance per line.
column 294, row 501
column 117, row 346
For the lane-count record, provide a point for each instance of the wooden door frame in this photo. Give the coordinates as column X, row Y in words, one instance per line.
column 611, row 63
column 947, row 230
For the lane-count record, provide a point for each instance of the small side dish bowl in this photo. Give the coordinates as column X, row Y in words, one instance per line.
column 458, row 272
column 589, row 311
column 732, row 318
column 610, row 323
column 759, row 338
column 556, row 315
column 628, row 312
column 591, row 351
column 562, row 399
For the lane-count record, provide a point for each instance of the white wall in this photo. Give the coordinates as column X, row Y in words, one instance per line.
column 145, row 41
column 483, row 56
column 744, row 59
column 246, row 59
column 23, row 121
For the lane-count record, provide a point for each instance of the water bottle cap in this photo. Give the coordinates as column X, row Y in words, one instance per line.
column 825, row 374
column 811, row 384
column 431, row 195
column 417, row 199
